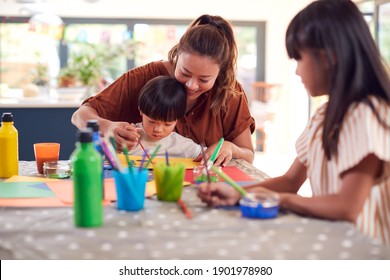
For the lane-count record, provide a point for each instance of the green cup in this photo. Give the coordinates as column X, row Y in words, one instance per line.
column 169, row 180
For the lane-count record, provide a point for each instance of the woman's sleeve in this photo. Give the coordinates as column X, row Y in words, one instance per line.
column 238, row 117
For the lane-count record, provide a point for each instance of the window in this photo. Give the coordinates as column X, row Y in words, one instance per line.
column 384, row 30
column 22, row 49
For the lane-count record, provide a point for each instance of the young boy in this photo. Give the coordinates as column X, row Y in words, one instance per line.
column 162, row 101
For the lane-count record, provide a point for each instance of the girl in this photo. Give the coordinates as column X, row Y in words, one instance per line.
column 345, row 148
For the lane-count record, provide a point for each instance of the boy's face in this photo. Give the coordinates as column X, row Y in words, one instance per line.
column 157, row 130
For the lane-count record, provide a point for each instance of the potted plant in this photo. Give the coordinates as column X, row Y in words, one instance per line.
column 68, row 77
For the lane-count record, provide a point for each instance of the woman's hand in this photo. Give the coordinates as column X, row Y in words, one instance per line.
column 124, row 133
column 224, row 156
column 218, row 194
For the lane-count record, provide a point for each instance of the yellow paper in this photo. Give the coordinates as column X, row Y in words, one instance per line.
column 17, row 178
column 188, row 162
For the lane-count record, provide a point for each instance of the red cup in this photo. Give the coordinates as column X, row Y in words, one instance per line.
column 46, row 152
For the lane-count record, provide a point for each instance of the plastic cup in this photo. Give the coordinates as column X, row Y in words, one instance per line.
column 57, row 169
column 200, row 174
column 46, row 152
column 169, row 181
column 130, row 189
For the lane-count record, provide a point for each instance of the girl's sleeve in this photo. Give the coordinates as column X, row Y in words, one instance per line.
column 362, row 134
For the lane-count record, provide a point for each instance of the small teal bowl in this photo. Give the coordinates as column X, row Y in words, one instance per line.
column 266, row 206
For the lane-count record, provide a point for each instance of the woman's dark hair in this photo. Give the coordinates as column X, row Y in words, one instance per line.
column 163, row 98
column 212, row 36
column 357, row 71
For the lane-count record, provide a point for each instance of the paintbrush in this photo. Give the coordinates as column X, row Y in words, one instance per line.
column 185, row 209
column 211, row 160
column 205, row 166
column 231, row 182
column 152, row 156
column 143, row 148
column 108, row 154
column 126, row 152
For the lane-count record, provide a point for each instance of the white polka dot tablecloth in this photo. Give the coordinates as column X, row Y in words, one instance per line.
column 162, row 231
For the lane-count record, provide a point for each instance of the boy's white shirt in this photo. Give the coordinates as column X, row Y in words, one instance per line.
column 177, row 146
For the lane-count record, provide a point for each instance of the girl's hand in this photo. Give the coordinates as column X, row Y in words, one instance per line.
column 218, row 194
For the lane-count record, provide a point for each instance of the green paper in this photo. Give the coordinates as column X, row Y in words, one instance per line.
column 23, row 190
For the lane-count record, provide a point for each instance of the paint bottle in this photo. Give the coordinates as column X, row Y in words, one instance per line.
column 9, row 153
column 94, row 125
column 87, row 181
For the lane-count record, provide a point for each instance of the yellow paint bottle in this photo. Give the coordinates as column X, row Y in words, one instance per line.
column 9, row 154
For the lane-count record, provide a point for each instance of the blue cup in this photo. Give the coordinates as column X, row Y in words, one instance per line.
column 130, row 189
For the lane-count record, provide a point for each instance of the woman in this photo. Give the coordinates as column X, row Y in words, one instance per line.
column 204, row 61
column 345, row 148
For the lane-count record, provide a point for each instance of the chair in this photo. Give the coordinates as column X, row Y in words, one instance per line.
column 262, row 99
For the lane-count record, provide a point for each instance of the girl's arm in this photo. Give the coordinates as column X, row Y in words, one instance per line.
column 290, row 182
column 345, row 205
column 215, row 194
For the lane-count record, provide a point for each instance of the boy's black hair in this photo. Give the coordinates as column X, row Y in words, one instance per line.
column 163, row 98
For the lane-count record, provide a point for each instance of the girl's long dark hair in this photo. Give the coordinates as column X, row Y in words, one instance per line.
column 357, row 70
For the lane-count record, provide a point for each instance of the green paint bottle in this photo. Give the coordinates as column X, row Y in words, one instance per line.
column 87, row 181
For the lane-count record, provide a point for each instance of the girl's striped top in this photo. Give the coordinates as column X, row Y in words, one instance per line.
column 361, row 134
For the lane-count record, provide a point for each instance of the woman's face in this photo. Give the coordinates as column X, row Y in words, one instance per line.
column 197, row 73
column 313, row 73
column 157, row 130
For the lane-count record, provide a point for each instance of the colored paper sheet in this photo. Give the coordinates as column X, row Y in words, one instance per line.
column 23, row 190
column 17, row 178
column 63, row 189
column 232, row 171
column 188, row 162
column 32, row 202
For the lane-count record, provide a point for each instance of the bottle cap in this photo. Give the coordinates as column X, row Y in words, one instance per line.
column 7, row 117
column 94, row 125
column 85, row 135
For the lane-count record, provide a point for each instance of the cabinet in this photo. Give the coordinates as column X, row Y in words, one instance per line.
column 43, row 124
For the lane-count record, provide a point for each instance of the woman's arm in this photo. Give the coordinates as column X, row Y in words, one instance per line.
column 240, row 147
column 345, row 205
column 81, row 116
column 123, row 131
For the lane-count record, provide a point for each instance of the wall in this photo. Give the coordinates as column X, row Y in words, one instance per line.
column 293, row 104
